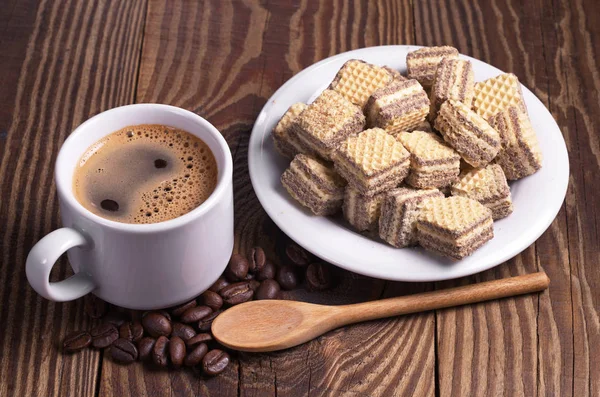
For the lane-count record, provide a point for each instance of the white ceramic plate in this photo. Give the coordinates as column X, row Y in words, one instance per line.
column 537, row 198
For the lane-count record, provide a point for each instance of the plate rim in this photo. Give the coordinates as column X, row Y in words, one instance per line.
column 502, row 257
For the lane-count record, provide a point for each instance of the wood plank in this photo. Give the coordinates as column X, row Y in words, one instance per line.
column 492, row 349
column 65, row 61
column 223, row 60
column 568, row 33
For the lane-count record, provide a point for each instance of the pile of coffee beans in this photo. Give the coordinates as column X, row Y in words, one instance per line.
column 181, row 336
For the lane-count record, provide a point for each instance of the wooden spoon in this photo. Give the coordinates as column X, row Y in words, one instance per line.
column 269, row 325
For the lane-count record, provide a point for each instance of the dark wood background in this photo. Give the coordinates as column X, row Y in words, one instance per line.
column 64, row 61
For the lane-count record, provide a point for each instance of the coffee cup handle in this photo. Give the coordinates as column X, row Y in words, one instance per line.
column 41, row 259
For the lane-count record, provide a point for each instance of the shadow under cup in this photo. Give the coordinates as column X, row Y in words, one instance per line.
column 149, row 266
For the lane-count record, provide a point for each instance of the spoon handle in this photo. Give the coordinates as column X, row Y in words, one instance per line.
column 444, row 298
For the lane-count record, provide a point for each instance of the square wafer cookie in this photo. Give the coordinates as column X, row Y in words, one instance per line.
column 454, row 79
column 433, row 163
column 496, row 94
column 372, row 161
column 468, row 133
column 454, row 226
column 326, row 122
column 488, row 186
column 314, row 184
column 362, row 211
column 520, row 154
column 285, row 140
column 398, row 106
column 423, row 63
column 357, row 80
column 399, row 212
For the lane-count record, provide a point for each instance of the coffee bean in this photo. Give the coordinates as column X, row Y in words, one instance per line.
column 200, row 338
column 166, row 314
column 319, row 276
column 215, row 362
column 195, row 357
column 178, row 310
column 104, row 335
column 132, row 331
column 195, row 314
column 176, row 351
column 77, row 341
column 268, row 271
column 117, row 318
column 212, row 300
column 287, row 277
column 123, row 351
column 298, row 255
column 269, row 289
column 219, row 284
column 254, row 284
column 145, row 347
column 156, row 324
column 159, row 352
column 205, row 324
column 95, row 307
column 183, row 331
column 258, row 259
column 237, row 293
column 249, row 276
column 237, row 269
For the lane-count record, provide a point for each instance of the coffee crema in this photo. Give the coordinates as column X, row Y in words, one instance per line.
column 145, row 174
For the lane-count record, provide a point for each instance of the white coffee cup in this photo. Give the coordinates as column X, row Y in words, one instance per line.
column 137, row 266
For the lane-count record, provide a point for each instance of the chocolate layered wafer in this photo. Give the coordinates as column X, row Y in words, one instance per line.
column 357, row 80
column 453, row 80
column 496, row 94
column 399, row 106
column 372, row 161
column 362, row 211
column 395, row 74
column 520, row 154
column 286, row 141
column 454, row 226
column 326, row 122
column 314, row 184
column 433, row 164
column 423, row 63
column 399, row 212
column 488, row 186
column 468, row 133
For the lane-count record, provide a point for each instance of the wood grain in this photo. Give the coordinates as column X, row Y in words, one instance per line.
column 67, row 62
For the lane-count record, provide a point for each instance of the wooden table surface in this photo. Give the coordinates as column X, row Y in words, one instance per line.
column 64, row 61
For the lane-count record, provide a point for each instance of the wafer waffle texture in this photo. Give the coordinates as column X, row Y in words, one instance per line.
column 520, row 154
column 357, row 80
column 362, row 211
column 496, row 94
column 286, row 141
column 399, row 106
column 468, row 133
column 454, row 226
column 433, row 164
column 454, row 80
column 328, row 121
column 422, row 63
column 399, row 212
column 314, row 184
column 372, row 161
column 489, row 187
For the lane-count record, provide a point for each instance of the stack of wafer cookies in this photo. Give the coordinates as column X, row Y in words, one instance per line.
column 365, row 146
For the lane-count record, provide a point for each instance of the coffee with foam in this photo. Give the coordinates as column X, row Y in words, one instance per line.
column 145, row 174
